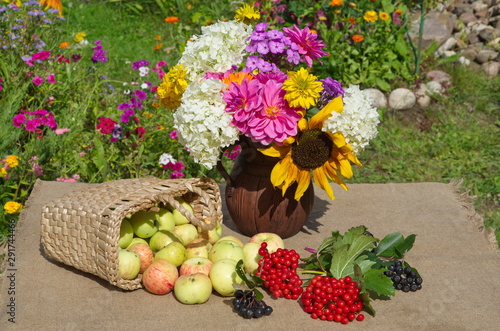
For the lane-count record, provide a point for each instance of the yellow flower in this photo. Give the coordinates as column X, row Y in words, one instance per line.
column 56, row 4
column 79, row 37
column 172, row 87
column 12, row 161
column 12, row 207
column 302, row 89
column 384, row 16
column 3, row 172
column 246, row 14
column 370, row 16
column 326, row 154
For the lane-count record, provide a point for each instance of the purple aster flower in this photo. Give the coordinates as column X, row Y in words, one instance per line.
column 136, row 103
column 331, row 90
column 141, row 63
column 123, row 106
column 141, row 95
column 99, row 53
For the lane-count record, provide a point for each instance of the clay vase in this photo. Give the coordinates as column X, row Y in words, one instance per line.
column 255, row 205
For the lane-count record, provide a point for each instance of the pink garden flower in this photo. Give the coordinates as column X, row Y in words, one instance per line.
column 51, row 79
column 309, row 47
column 37, row 80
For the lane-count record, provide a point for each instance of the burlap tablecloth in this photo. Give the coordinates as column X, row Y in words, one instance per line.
column 460, row 267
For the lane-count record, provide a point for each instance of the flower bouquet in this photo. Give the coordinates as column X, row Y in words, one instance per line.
column 250, row 86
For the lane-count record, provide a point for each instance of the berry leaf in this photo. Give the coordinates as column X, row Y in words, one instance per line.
column 363, row 294
column 376, row 281
column 406, row 245
column 344, row 257
column 251, row 285
column 387, row 246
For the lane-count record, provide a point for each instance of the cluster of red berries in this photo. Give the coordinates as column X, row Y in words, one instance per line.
column 331, row 299
column 278, row 270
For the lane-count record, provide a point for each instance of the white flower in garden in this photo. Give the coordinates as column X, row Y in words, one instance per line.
column 201, row 122
column 358, row 122
column 143, row 71
column 144, row 86
column 217, row 49
column 166, row 158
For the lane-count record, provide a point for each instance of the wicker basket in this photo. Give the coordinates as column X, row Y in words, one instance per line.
column 82, row 229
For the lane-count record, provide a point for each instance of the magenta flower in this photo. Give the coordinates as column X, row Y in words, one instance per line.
column 173, row 134
column 176, row 174
column 43, row 55
column 275, row 120
column 37, row 80
column 309, row 47
column 105, row 125
column 18, row 120
column 51, row 79
column 242, row 100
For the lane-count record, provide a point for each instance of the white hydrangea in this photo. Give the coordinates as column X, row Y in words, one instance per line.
column 358, row 122
column 201, row 122
column 217, row 49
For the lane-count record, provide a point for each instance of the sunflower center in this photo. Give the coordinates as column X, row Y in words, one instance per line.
column 312, row 149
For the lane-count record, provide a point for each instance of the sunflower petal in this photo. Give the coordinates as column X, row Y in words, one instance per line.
column 293, row 170
column 332, row 174
column 316, row 122
column 345, row 168
column 280, row 171
column 321, row 180
column 275, row 151
column 303, row 180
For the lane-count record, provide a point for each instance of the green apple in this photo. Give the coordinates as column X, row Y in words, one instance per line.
column 129, row 264
column 174, row 252
column 196, row 264
column 143, row 223
column 226, row 250
column 251, row 257
column 198, row 247
column 193, row 288
column 126, row 234
column 273, row 240
column 137, row 240
column 178, row 217
column 233, row 239
column 145, row 254
column 162, row 238
column 214, row 234
column 187, row 232
column 223, row 275
column 160, row 277
column 165, row 220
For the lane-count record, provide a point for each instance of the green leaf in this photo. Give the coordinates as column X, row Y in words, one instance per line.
column 387, row 245
column 384, row 86
column 363, row 294
column 376, row 281
column 406, row 245
column 343, row 258
column 251, row 285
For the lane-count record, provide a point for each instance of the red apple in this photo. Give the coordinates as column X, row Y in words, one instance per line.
column 196, row 264
column 160, row 277
column 145, row 254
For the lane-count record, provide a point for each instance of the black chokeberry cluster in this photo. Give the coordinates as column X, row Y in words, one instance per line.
column 404, row 278
column 246, row 305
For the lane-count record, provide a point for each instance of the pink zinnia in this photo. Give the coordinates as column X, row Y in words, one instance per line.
column 37, row 80
column 51, row 79
column 242, row 100
column 309, row 47
column 43, row 55
column 275, row 120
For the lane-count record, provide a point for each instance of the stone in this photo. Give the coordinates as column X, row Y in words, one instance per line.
column 435, row 87
column 438, row 28
column 422, row 95
column 479, row 6
column 485, row 55
column 447, row 45
column 376, row 98
column 440, row 76
column 401, row 99
column 491, row 68
column 467, row 18
column 469, row 53
column 489, row 34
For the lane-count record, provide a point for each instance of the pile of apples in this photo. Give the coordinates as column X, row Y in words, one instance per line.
column 174, row 255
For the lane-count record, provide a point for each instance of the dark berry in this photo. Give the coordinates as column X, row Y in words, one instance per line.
column 238, row 294
column 413, row 274
column 406, row 288
column 388, row 273
column 407, row 270
column 398, row 286
column 414, row 287
column 398, row 264
column 392, row 267
column 396, row 279
column 418, row 280
column 259, row 312
column 399, row 270
column 268, row 310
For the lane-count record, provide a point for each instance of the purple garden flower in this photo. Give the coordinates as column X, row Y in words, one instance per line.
column 138, row 64
column 99, row 53
column 331, row 90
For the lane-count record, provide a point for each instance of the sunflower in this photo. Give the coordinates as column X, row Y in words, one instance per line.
column 326, row 154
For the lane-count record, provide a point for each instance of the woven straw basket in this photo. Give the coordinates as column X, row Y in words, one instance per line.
column 82, row 228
